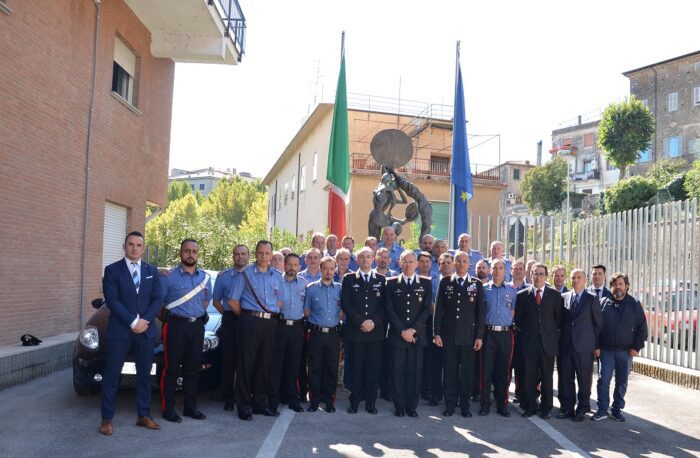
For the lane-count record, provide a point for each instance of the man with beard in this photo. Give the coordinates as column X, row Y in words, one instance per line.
column 459, row 329
column 290, row 336
column 322, row 308
column 256, row 298
column 408, row 300
column 538, row 316
column 222, row 290
column 187, row 293
column 362, row 300
column 623, row 336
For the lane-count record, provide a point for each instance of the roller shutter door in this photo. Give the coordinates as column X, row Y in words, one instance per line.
column 114, row 233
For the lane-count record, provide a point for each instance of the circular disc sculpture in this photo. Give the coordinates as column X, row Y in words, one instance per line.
column 392, row 149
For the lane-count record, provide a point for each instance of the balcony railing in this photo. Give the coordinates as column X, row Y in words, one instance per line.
column 360, row 161
column 234, row 21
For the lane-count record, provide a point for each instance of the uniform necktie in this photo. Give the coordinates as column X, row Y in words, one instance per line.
column 366, row 278
column 538, row 297
column 597, row 292
column 460, row 280
column 408, row 282
column 574, row 304
column 135, row 276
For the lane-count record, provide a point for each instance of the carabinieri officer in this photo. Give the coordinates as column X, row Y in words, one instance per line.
column 256, row 298
column 499, row 300
column 322, row 307
column 290, row 336
column 187, row 293
column 408, row 303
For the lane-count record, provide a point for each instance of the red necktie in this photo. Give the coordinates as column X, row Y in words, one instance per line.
column 538, row 297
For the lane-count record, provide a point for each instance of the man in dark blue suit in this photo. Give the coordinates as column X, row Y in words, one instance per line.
column 133, row 295
column 598, row 280
column 581, row 326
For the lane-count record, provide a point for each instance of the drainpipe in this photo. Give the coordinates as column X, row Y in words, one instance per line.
column 88, row 148
column 296, row 231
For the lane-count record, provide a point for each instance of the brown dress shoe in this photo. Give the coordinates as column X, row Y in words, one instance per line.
column 106, row 427
column 147, row 422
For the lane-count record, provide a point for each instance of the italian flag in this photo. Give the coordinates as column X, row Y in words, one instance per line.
column 338, row 171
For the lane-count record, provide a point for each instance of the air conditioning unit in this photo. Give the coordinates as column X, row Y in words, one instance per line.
column 509, row 202
column 511, row 195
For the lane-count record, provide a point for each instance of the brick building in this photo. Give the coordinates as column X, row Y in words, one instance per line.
column 79, row 162
column 671, row 91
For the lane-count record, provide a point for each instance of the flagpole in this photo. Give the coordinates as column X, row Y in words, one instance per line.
column 450, row 224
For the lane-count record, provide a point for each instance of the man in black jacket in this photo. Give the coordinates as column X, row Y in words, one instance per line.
column 408, row 301
column 538, row 316
column 362, row 300
column 623, row 336
column 580, row 329
column 459, row 328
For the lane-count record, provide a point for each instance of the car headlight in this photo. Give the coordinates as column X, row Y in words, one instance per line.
column 211, row 341
column 89, row 338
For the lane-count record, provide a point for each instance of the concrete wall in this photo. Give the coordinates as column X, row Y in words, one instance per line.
column 45, row 82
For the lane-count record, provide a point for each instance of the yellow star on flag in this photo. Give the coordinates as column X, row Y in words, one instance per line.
column 464, row 196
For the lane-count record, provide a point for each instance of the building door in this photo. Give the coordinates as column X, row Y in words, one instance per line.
column 114, row 233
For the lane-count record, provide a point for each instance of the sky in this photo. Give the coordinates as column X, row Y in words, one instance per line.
column 528, row 67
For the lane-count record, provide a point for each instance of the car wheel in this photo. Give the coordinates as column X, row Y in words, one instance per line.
column 82, row 390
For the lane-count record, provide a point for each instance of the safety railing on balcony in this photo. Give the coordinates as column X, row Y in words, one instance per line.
column 361, row 161
column 234, row 21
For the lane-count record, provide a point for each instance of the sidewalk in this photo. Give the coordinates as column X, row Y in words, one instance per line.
column 19, row 364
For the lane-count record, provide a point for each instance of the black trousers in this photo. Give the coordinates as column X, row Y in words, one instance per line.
column 285, row 364
column 366, row 361
column 571, row 364
column 517, row 365
column 459, row 375
column 324, row 352
column 407, row 369
column 256, row 344
column 303, row 378
column 496, row 356
column 228, row 355
column 386, row 372
column 538, row 367
column 182, row 345
column 431, row 381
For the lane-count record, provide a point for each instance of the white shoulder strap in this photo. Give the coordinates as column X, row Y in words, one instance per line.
column 190, row 295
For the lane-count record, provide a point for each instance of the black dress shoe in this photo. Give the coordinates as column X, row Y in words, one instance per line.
column 194, row 413
column 312, row 408
column 545, row 415
column 399, row 412
column 466, row 413
column 266, row 412
column 579, row 417
column 528, row 413
column 296, row 407
column 448, row 412
column 229, row 406
column 412, row 413
column 503, row 412
column 516, row 401
column 330, row 408
column 170, row 415
column 246, row 416
column 352, row 409
column 476, row 398
column 433, row 402
column 483, row 411
column 564, row 414
column 373, row 410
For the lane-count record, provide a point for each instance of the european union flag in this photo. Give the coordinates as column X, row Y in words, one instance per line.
column 461, row 170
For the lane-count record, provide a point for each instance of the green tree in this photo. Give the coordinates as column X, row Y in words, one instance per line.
column 231, row 200
column 625, row 129
column 544, row 187
column 628, row 194
column 662, row 172
column 177, row 190
column 165, row 232
column 692, row 181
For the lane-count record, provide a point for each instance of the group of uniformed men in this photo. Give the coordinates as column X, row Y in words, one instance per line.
column 449, row 325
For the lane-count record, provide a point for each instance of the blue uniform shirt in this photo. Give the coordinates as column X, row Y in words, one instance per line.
column 500, row 303
column 323, row 302
column 353, row 266
column 389, row 272
column 267, row 286
column 180, row 282
column 308, row 277
column 223, row 285
column 337, row 278
column 395, row 254
column 525, row 285
column 435, row 280
column 293, row 302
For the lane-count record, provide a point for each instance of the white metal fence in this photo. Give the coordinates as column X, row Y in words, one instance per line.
column 655, row 246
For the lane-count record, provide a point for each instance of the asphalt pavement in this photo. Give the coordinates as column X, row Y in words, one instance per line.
column 45, row 418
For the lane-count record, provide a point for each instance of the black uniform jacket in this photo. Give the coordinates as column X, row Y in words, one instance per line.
column 539, row 323
column 459, row 311
column 363, row 301
column 408, row 307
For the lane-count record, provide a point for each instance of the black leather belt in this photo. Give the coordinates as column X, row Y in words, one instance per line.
column 292, row 322
column 264, row 315
column 188, row 319
column 324, row 329
column 499, row 328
